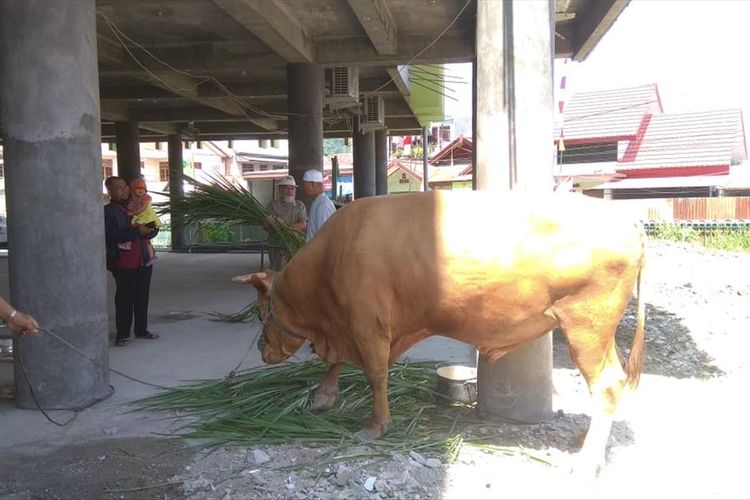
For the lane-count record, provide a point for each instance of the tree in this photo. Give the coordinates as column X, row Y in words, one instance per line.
column 335, row 146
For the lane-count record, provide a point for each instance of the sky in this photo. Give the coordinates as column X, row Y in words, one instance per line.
column 696, row 51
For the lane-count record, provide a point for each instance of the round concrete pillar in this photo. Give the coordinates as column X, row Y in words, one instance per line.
column 518, row 387
column 513, row 79
column 53, row 168
column 381, row 162
column 176, row 218
column 363, row 169
column 305, row 103
column 128, row 140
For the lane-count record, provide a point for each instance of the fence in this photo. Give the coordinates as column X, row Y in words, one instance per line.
column 730, row 208
column 216, row 237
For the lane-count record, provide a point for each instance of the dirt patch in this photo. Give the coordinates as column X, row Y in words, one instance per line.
column 129, row 468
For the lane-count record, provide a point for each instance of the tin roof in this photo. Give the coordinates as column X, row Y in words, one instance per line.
column 707, row 138
column 608, row 113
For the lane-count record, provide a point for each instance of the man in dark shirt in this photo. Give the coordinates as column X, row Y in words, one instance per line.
column 126, row 259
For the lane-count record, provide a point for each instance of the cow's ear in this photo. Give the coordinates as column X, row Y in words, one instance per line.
column 262, row 281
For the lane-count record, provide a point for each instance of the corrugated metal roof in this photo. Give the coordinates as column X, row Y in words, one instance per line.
column 690, row 140
column 608, row 113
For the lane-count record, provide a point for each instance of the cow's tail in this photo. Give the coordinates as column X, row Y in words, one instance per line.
column 634, row 365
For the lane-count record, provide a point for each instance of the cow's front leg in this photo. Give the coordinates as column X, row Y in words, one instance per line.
column 380, row 421
column 327, row 392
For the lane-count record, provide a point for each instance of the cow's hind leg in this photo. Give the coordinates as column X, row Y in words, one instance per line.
column 593, row 350
column 325, row 395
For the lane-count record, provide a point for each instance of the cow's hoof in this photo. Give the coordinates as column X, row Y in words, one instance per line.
column 576, row 442
column 365, row 435
column 368, row 434
column 322, row 402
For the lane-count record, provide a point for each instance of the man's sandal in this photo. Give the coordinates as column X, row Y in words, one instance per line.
column 148, row 335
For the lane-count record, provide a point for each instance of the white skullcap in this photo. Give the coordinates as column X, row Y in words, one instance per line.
column 313, row 176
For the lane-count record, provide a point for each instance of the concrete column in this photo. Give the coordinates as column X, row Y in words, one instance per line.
column 53, row 168
column 381, row 162
column 474, row 123
column 177, row 219
column 305, row 103
column 513, row 146
column 363, row 169
column 128, row 150
column 425, row 163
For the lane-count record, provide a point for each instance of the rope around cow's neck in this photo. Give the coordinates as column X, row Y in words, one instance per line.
column 272, row 314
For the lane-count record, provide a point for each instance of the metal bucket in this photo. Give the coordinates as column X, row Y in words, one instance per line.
column 457, row 384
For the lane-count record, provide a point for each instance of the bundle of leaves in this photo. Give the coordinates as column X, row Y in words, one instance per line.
column 268, row 405
column 222, row 202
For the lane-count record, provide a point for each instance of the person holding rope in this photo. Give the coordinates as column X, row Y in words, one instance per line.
column 16, row 320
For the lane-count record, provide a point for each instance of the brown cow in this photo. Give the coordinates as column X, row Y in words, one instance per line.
column 492, row 270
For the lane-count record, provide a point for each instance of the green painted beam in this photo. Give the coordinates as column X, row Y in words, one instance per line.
column 426, row 88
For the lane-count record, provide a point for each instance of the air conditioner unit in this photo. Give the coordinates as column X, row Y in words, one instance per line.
column 372, row 115
column 342, row 87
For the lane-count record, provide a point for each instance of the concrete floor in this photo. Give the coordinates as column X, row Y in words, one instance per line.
column 184, row 288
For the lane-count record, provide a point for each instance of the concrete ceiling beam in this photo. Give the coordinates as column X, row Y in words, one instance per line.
column 400, row 78
column 359, row 51
column 274, row 25
column 196, row 113
column 377, row 21
column 594, row 23
column 109, row 50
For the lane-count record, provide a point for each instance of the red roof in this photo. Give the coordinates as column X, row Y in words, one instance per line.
column 458, row 151
column 608, row 113
column 689, row 140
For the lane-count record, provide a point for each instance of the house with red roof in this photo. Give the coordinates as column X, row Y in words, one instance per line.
column 452, row 167
column 621, row 144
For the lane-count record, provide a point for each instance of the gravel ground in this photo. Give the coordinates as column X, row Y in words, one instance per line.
column 681, row 435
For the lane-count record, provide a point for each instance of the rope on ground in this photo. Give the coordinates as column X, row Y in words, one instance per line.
column 77, row 410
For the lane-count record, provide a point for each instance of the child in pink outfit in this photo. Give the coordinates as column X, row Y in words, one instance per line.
column 141, row 212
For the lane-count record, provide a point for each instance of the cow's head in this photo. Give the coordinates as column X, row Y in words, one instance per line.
column 276, row 343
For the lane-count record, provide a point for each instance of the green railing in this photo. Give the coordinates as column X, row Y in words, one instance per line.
column 215, row 236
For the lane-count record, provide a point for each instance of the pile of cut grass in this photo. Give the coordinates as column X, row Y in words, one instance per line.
column 268, row 405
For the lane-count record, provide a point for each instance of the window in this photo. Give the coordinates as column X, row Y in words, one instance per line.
column 263, row 143
column 164, row 171
column 247, row 168
column 275, row 143
column 403, row 179
column 588, row 153
column 263, row 168
column 107, row 168
column 445, row 134
column 197, row 165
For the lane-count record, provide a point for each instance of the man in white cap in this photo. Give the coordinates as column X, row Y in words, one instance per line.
column 322, row 207
column 289, row 210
